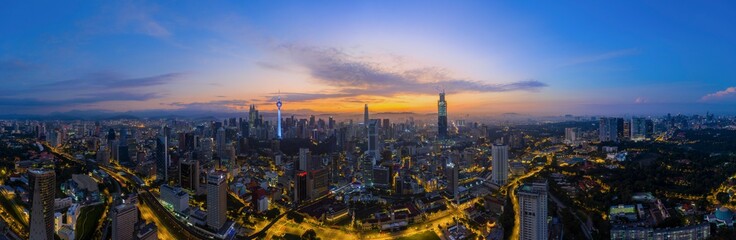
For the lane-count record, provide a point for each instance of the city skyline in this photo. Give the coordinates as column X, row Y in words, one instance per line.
column 491, row 58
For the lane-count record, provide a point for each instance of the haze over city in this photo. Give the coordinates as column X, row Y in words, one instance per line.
column 332, row 57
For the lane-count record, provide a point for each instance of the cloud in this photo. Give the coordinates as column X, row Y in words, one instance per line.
column 217, row 105
column 641, row 100
column 600, row 57
column 356, row 76
column 720, row 95
column 10, row 102
column 110, row 80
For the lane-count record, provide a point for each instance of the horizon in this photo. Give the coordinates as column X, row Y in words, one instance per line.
column 491, row 58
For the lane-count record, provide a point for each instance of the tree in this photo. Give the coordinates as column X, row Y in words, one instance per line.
column 310, row 235
column 723, row 197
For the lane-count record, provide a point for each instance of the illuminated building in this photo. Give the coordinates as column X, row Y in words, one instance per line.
column 124, row 218
column 174, row 197
column 500, row 172
column 533, row 209
column 278, row 119
column 42, row 187
column 216, row 200
column 442, row 116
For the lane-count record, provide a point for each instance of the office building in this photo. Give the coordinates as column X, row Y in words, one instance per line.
column 638, row 129
column 500, row 173
column 533, row 208
column 453, row 184
column 442, row 117
column 610, row 129
column 162, row 158
column 42, row 185
column 571, row 135
column 305, row 157
column 373, row 141
column 300, row 186
column 174, row 198
column 221, row 141
column 147, row 232
column 189, row 175
column 124, row 218
column 216, row 200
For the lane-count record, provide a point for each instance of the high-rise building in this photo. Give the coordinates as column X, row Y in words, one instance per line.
column 278, row 119
column 442, row 116
column 365, row 115
column 500, row 173
column 205, row 149
column 42, row 185
column 305, row 158
column 571, row 135
column 216, row 200
column 162, row 158
column 189, row 175
column 452, row 172
column 373, row 144
column 124, row 218
column 220, row 142
column 610, row 129
column 638, row 129
column 300, row 186
column 533, row 209
column 318, row 183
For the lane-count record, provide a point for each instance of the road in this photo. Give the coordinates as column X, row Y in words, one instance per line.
column 511, row 190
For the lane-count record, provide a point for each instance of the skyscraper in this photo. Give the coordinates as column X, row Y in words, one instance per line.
column 500, row 172
column 442, row 116
column 533, row 208
column 162, row 158
column 304, row 158
column 216, row 200
column 373, row 144
column 610, row 129
column 205, row 149
column 278, row 119
column 638, row 129
column 300, row 186
column 189, row 175
column 123, row 153
column 365, row 115
column 124, row 218
column 42, row 183
column 571, row 135
column 220, row 142
column 452, row 172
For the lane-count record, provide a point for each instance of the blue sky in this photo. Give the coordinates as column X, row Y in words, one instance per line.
column 333, row 56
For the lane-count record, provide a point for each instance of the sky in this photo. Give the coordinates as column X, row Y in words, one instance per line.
column 490, row 57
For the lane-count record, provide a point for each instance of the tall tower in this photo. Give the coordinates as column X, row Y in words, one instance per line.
column 42, row 184
column 442, row 116
column 533, row 207
column 278, row 105
column 500, row 172
column 365, row 115
column 216, row 200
